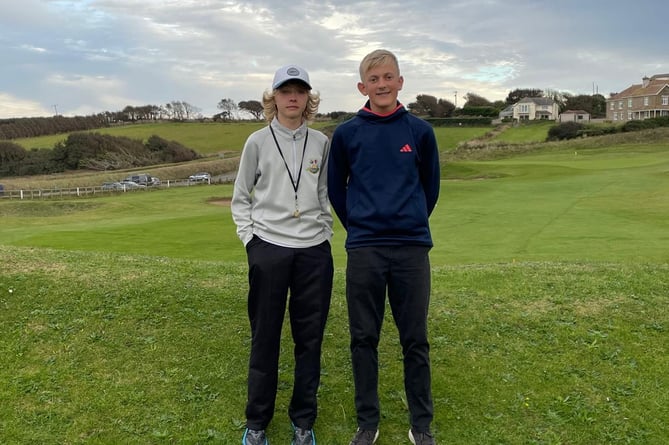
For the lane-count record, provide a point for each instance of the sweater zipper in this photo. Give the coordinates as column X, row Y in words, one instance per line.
column 295, row 172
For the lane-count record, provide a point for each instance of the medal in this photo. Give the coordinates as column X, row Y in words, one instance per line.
column 296, row 213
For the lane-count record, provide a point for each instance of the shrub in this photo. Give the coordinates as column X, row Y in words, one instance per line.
column 646, row 124
column 566, row 130
column 598, row 130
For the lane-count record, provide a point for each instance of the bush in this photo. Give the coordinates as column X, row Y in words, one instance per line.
column 646, row 124
column 567, row 130
column 91, row 151
column 598, row 130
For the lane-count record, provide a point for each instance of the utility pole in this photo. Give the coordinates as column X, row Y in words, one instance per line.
column 55, row 109
column 456, row 99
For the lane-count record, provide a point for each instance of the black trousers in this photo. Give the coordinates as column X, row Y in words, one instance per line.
column 404, row 272
column 307, row 275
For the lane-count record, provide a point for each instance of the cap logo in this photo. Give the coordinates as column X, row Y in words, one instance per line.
column 292, row 71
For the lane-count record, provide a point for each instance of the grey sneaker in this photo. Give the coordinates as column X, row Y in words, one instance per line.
column 254, row 437
column 364, row 437
column 303, row 437
column 421, row 438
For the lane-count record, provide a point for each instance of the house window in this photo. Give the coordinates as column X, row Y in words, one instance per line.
column 620, row 105
column 645, row 101
column 629, row 103
column 615, row 116
column 630, row 116
column 665, row 100
column 613, row 106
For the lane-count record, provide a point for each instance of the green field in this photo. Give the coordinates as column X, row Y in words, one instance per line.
column 205, row 138
column 210, row 138
column 534, row 132
column 123, row 317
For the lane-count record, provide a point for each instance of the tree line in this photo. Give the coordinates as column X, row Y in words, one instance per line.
column 28, row 127
column 478, row 106
column 91, row 151
column 425, row 105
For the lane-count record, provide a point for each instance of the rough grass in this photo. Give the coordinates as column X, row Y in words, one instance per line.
column 113, row 348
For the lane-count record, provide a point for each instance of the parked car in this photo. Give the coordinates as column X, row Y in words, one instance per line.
column 112, row 186
column 2, row 189
column 200, row 176
column 129, row 185
column 143, row 179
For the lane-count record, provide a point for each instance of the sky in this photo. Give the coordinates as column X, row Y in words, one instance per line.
column 83, row 57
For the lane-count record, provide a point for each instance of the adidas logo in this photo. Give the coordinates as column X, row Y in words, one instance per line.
column 406, row 149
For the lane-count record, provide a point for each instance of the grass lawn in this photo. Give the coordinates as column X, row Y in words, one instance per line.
column 449, row 137
column 527, row 132
column 124, row 320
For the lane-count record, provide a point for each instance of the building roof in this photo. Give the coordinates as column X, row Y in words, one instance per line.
column 537, row 100
column 575, row 112
column 653, row 87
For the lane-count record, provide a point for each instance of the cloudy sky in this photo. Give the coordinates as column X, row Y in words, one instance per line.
column 81, row 57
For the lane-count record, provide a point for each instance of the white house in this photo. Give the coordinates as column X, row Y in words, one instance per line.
column 536, row 108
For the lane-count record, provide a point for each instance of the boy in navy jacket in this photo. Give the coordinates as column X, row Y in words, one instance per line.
column 383, row 183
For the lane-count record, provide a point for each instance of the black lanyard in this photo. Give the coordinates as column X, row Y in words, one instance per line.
column 296, row 184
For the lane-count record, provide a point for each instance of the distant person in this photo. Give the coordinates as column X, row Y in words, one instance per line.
column 282, row 213
column 383, row 182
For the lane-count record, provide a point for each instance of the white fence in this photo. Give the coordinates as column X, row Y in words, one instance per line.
column 66, row 193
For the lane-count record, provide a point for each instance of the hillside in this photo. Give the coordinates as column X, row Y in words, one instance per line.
column 220, row 145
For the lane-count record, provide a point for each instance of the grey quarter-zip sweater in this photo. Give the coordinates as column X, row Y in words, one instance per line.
column 264, row 196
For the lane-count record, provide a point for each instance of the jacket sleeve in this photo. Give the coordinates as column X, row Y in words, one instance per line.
column 326, row 215
column 338, row 172
column 242, row 193
column 430, row 169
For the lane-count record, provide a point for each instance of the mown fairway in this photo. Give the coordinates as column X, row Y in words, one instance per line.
column 123, row 318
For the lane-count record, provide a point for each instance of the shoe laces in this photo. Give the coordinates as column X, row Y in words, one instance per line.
column 303, row 437
column 254, row 437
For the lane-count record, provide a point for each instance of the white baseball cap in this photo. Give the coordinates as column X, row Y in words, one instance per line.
column 290, row 72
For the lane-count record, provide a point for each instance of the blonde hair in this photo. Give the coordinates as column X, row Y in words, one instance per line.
column 269, row 105
column 377, row 58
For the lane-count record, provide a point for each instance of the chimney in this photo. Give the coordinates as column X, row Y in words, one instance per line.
column 645, row 81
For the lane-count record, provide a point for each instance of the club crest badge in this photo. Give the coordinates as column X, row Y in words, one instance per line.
column 313, row 166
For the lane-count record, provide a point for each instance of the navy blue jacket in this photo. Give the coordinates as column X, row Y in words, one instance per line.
column 383, row 178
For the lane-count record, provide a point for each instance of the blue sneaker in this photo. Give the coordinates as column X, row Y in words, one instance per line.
column 254, row 437
column 302, row 436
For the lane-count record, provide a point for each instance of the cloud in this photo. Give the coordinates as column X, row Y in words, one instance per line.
column 101, row 55
column 12, row 107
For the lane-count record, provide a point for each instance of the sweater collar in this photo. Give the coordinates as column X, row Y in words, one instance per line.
column 367, row 112
column 287, row 132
